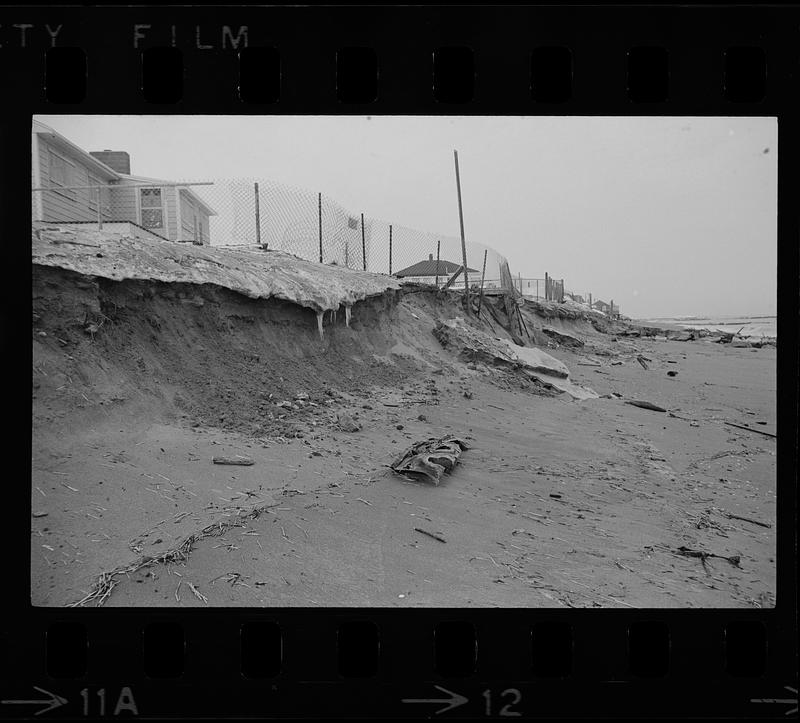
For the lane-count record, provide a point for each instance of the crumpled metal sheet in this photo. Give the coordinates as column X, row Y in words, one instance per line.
column 430, row 459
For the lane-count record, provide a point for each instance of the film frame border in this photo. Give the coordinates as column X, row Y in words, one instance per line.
column 501, row 40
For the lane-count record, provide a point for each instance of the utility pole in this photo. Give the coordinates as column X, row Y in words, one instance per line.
column 463, row 239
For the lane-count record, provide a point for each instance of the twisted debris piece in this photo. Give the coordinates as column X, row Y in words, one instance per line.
column 430, row 459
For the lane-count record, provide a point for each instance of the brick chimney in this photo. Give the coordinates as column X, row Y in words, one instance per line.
column 120, row 161
column 430, row 257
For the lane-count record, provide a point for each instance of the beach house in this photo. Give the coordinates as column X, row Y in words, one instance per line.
column 427, row 271
column 74, row 186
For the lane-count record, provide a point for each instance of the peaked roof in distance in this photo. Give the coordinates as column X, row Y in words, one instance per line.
column 428, row 267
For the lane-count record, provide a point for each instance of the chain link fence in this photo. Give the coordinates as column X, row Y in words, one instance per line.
column 259, row 212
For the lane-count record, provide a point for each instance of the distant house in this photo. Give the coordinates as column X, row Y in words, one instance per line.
column 602, row 306
column 74, row 186
column 425, row 272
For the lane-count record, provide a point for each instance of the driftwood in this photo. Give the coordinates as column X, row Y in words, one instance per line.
column 735, row 560
column 646, row 405
column 641, row 361
column 746, row 519
column 244, row 461
column 430, row 534
column 752, row 429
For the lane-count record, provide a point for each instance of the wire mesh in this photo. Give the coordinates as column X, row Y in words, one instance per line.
column 261, row 212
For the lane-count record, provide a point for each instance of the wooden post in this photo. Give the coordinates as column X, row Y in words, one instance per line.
column 611, row 310
column 438, row 248
column 258, row 217
column 100, row 213
column 463, row 239
column 363, row 244
column 483, row 277
column 561, row 294
column 519, row 276
column 546, row 287
column 320, row 228
column 390, row 249
column 591, row 306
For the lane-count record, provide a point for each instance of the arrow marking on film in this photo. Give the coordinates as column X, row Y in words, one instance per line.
column 780, row 700
column 55, row 701
column 453, row 701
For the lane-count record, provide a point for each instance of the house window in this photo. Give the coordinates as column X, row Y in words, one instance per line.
column 152, row 209
column 60, row 175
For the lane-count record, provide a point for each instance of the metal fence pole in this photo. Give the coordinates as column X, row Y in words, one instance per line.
column 320, row 228
column 438, row 249
column 363, row 244
column 258, row 217
column 390, row 249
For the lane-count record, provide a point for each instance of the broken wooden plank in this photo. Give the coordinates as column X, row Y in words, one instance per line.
column 244, row 461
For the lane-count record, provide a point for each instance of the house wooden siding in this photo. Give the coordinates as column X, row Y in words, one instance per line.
column 66, row 205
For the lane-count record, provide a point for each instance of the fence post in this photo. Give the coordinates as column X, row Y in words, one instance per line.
column 320, row 228
column 99, row 212
column 483, row 276
column 258, row 216
column 590, row 300
column 612, row 308
column 363, row 244
column 546, row 287
column 519, row 276
column 438, row 248
column 390, row 249
column 561, row 295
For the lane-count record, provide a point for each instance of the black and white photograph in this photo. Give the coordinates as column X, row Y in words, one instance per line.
column 404, row 361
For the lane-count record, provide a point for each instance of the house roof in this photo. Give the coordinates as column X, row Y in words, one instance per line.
column 428, row 267
column 155, row 181
column 40, row 129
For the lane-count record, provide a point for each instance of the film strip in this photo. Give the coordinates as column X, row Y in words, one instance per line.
column 112, row 662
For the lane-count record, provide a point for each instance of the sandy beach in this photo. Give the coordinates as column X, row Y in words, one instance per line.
column 558, row 502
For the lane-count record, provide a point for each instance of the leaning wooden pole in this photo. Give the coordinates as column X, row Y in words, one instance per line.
column 438, row 248
column 483, row 278
column 463, row 239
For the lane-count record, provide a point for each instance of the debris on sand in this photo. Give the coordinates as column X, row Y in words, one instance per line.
column 641, row 361
column 39, row 514
column 430, row 534
column 672, row 374
column 429, row 459
column 645, row 405
column 243, row 461
column 347, row 422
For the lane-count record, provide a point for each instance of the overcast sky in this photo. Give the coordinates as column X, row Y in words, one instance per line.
column 666, row 216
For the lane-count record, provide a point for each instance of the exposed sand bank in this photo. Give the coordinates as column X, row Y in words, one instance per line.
column 558, row 502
